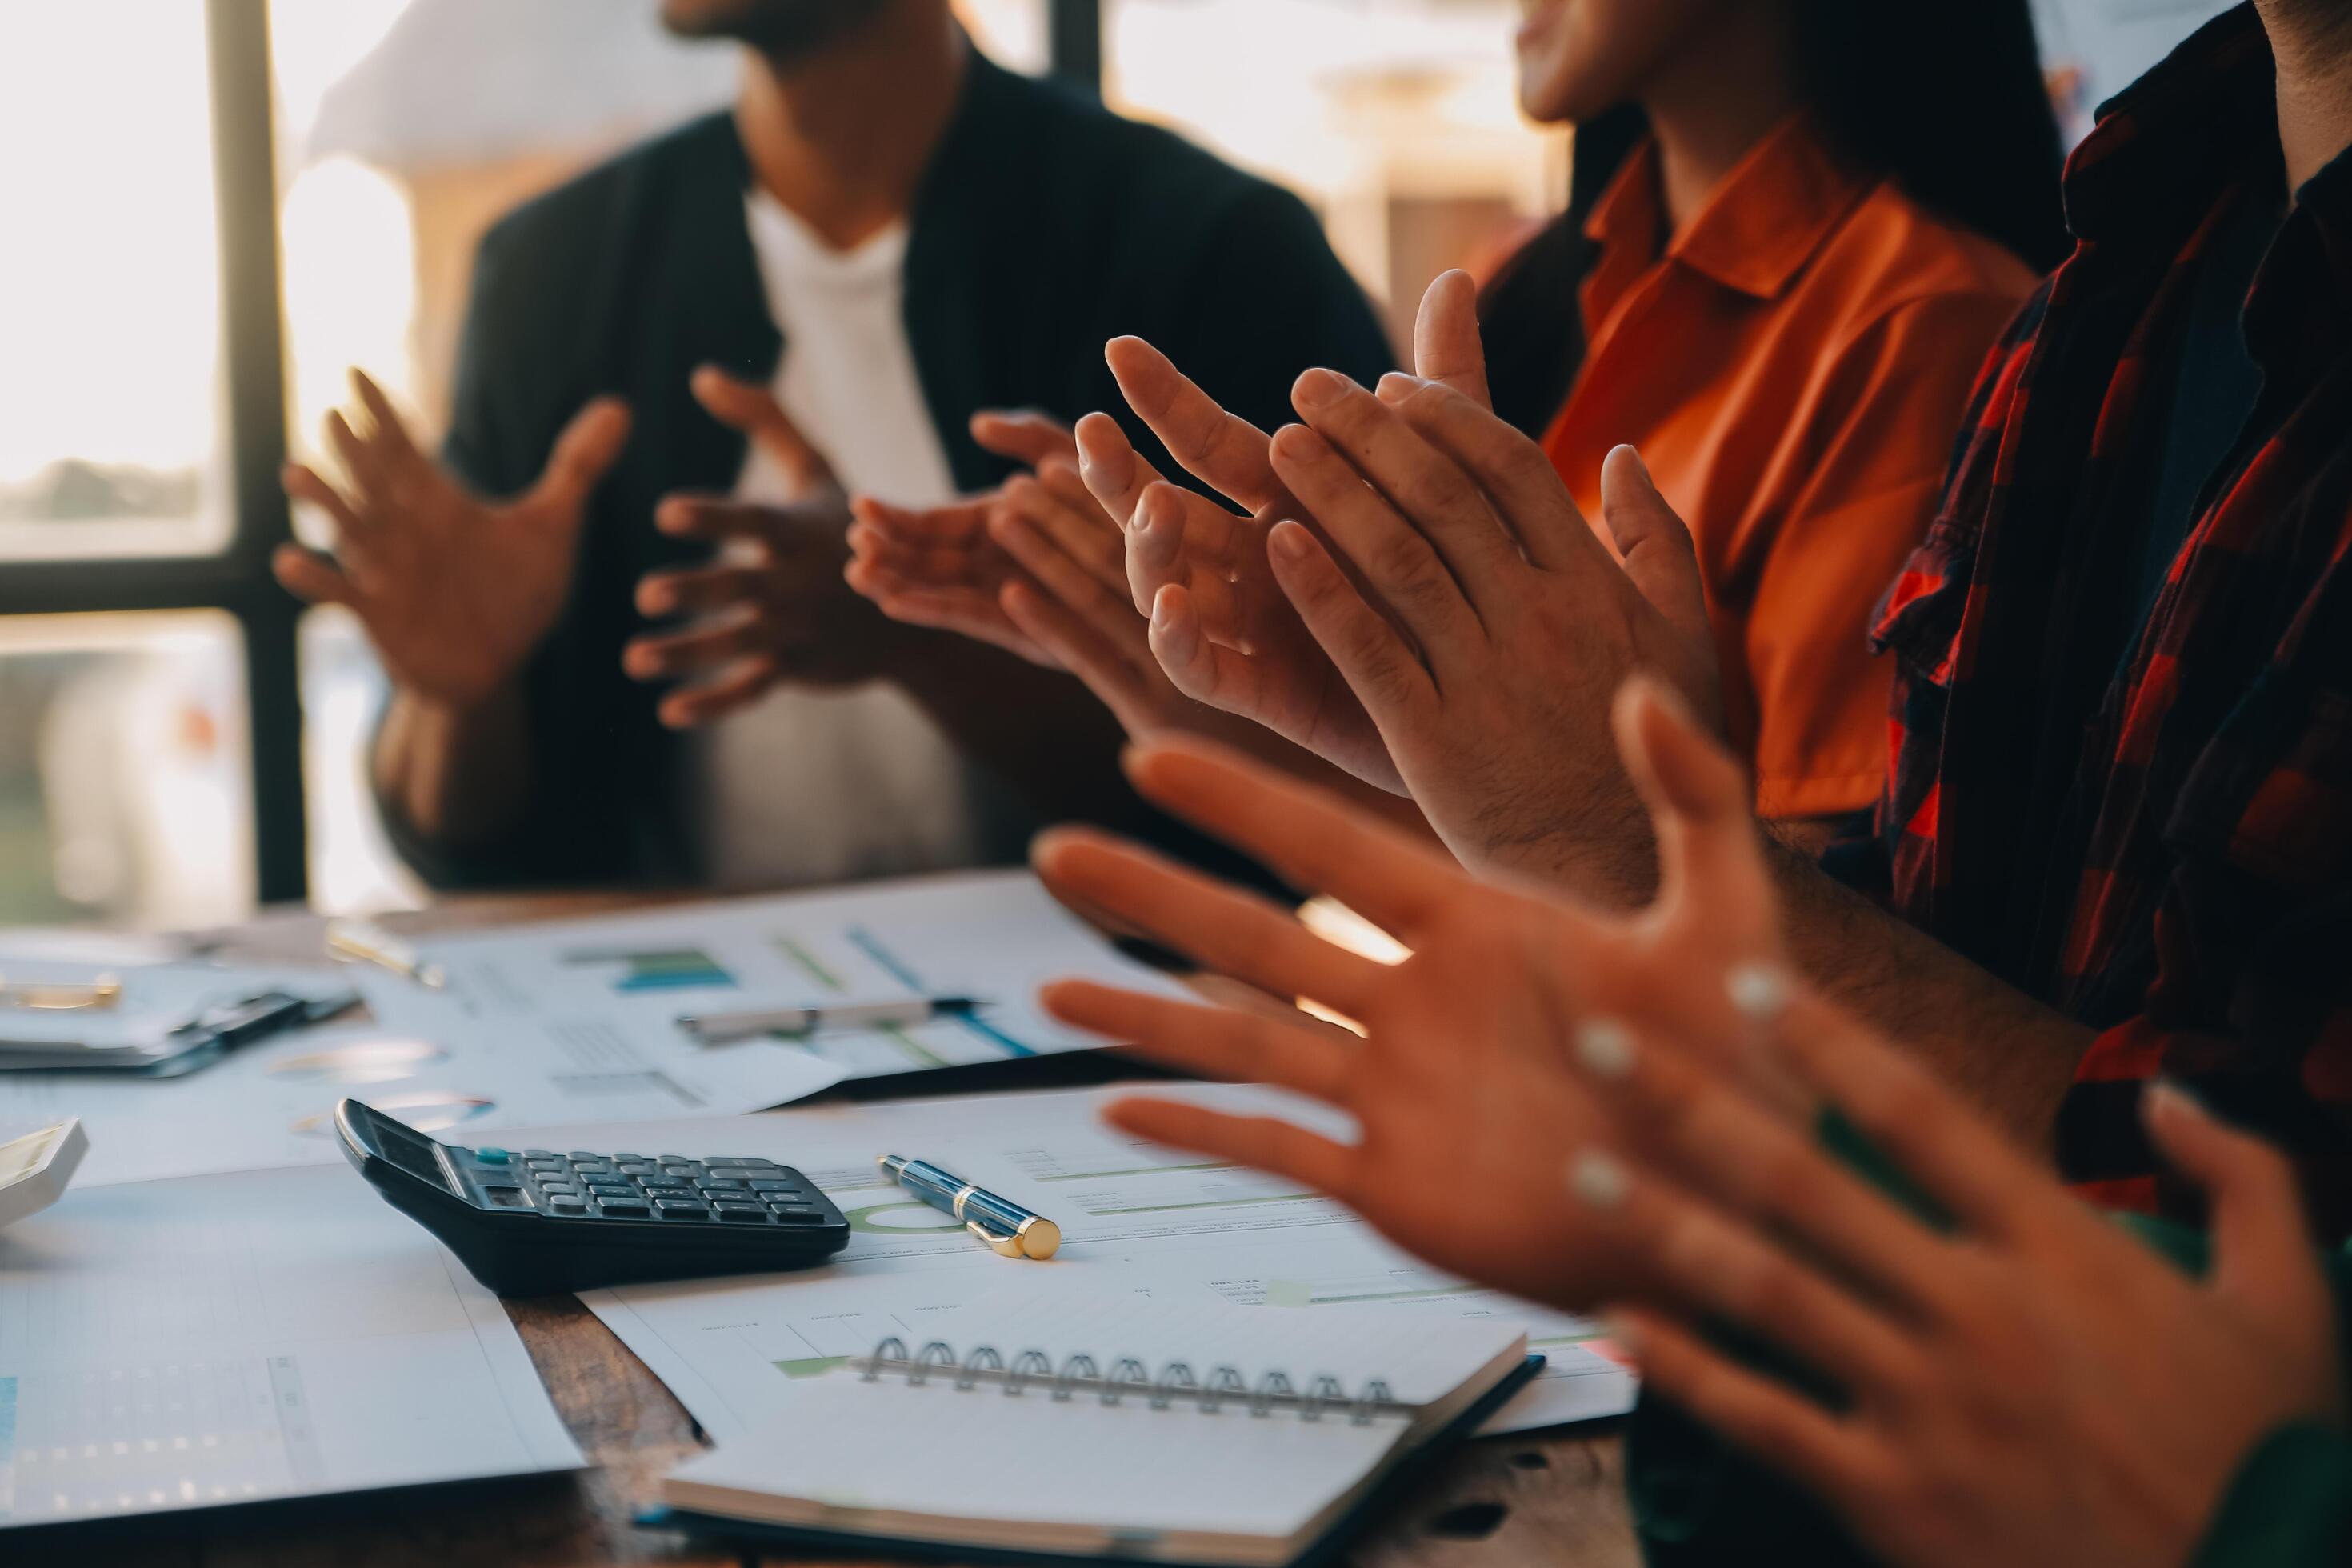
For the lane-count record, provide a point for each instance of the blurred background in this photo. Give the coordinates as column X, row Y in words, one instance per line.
column 214, row 207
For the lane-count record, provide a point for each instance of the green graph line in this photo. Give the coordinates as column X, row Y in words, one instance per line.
column 913, row 1048
column 1138, row 1171
column 808, row 961
column 1202, row 1204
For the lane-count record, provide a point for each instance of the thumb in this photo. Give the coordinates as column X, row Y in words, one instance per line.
column 582, row 454
column 1654, row 545
column 753, row 409
column 2262, row 1238
column 1025, row 436
column 1446, row 344
column 1709, row 853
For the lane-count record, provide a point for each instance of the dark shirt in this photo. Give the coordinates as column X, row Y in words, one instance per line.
column 1045, row 226
column 2163, row 850
column 2213, row 390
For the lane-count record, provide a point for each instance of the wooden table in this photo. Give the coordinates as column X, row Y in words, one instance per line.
column 1554, row 1498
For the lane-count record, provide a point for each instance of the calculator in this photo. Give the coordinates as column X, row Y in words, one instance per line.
column 531, row 1222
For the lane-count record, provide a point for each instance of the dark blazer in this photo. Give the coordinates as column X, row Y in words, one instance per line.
column 1045, row 226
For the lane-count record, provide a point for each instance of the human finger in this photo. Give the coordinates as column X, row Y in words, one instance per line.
column 311, row 576
column 1427, row 487
column 664, row 655
column 968, row 612
column 1116, row 475
column 1922, row 1127
column 1712, row 1136
column 979, row 562
column 1219, row 926
column 1446, row 347
column 1655, row 546
column 751, row 408
column 1208, row 1041
column 1697, row 1258
column 362, row 463
column 1379, row 665
column 1781, row 1427
column 718, row 518
column 736, row 687
column 1318, row 841
column 1223, row 450
column 1395, row 558
column 1700, row 806
column 1026, row 436
column 1528, row 492
column 582, row 454
column 1058, row 502
column 1070, row 642
column 1263, row 1143
column 958, row 523
column 2260, row 1227
column 387, row 434
column 696, row 591
column 302, row 483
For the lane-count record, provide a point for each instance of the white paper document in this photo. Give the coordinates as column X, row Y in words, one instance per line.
column 230, row 1339
column 991, row 936
column 1135, row 1219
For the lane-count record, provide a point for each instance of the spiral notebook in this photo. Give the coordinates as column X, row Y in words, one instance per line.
column 1121, row 1428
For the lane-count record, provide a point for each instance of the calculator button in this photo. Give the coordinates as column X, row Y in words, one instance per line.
column 635, row 1168
column 678, row 1208
column 746, row 1164
column 667, row 1187
column 742, row 1214
column 492, row 1156
column 539, row 1153
column 775, row 1186
column 566, row 1206
column 720, row 1185
column 798, row 1216
column 625, row 1208
column 583, row 1156
column 586, row 1167
column 796, row 1208
column 559, row 1189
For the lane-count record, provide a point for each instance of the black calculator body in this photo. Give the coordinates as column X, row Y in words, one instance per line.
column 531, row 1222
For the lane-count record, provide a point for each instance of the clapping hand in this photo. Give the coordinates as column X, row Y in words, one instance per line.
column 772, row 608
column 1465, row 1079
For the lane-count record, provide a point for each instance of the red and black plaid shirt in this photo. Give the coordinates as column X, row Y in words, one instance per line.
column 2149, row 823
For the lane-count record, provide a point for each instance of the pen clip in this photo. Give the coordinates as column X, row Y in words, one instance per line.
column 1002, row 1244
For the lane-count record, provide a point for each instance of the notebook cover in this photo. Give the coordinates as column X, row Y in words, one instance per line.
column 1324, row 1551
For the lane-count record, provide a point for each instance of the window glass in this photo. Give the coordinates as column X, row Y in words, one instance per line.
column 109, row 413
column 1397, row 120
column 124, row 783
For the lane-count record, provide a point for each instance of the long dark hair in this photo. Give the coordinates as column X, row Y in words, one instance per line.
column 1944, row 96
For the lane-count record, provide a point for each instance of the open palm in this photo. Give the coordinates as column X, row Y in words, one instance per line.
column 454, row 590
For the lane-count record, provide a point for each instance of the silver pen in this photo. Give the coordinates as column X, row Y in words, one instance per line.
column 797, row 1023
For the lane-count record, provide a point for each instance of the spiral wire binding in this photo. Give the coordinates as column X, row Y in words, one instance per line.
column 1223, row 1386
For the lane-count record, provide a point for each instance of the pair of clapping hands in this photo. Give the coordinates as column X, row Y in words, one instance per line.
column 456, row 589
column 1401, row 586
column 1630, row 1103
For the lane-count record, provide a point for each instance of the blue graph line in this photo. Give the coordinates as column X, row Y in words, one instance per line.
column 866, row 943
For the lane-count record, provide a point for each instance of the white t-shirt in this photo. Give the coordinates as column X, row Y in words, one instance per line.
column 825, row 785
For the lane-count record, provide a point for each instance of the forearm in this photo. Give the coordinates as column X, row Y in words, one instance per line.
column 455, row 777
column 1039, row 728
column 2010, row 1054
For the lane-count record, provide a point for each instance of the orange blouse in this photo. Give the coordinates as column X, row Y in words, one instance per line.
column 1794, row 368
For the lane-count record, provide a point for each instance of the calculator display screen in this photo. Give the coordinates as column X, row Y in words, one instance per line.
column 409, row 1153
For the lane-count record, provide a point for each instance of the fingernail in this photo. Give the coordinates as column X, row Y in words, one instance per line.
column 1397, row 384
column 1319, row 389
column 1290, row 540
column 1761, row 991
column 1598, row 1180
column 1605, row 1046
